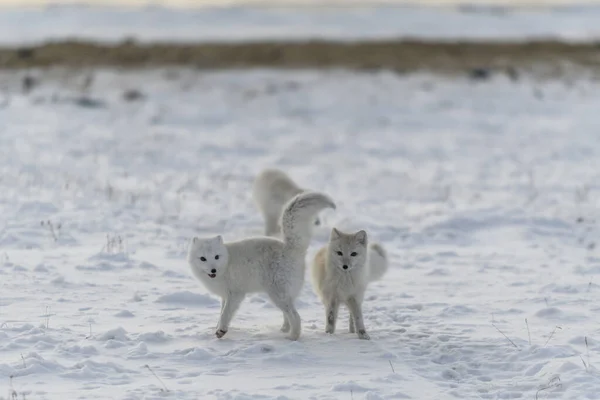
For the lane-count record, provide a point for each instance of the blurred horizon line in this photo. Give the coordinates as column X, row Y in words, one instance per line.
column 300, row 3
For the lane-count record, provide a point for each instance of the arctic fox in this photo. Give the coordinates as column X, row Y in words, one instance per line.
column 271, row 190
column 261, row 264
column 341, row 272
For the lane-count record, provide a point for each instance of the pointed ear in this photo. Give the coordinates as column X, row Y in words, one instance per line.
column 219, row 239
column 361, row 237
column 335, row 234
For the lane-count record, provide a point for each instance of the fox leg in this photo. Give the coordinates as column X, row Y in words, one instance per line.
column 331, row 314
column 356, row 311
column 230, row 306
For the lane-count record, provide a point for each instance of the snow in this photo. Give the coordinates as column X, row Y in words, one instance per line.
column 242, row 22
column 295, row 3
column 483, row 193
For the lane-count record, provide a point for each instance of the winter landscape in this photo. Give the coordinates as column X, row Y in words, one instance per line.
column 484, row 193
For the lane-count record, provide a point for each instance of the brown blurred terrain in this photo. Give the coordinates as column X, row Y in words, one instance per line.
column 551, row 57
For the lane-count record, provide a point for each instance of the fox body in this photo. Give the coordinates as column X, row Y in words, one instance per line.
column 271, row 190
column 341, row 272
column 231, row 270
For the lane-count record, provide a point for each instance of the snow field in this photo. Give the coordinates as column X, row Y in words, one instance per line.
column 483, row 193
column 26, row 26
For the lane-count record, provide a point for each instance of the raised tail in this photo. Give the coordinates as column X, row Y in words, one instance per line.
column 378, row 262
column 298, row 218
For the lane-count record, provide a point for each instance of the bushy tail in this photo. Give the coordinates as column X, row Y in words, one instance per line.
column 298, row 218
column 378, row 262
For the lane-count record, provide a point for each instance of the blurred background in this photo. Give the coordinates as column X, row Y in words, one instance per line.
column 192, row 3
column 462, row 135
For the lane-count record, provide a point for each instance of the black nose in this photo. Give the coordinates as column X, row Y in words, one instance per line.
column 345, row 266
column 213, row 271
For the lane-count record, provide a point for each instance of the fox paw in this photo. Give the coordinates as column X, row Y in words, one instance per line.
column 285, row 328
column 220, row 333
column 363, row 335
column 330, row 330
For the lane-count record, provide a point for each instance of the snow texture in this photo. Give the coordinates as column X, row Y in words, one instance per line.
column 484, row 194
column 108, row 24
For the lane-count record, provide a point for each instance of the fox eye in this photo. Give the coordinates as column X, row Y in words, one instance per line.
column 354, row 254
column 217, row 257
column 339, row 253
column 202, row 258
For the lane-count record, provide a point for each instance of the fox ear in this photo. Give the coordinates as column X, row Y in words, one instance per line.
column 219, row 239
column 361, row 237
column 335, row 233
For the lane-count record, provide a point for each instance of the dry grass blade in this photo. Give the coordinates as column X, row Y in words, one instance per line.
column 554, row 383
column 90, row 335
column 156, row 376
column 552, row 334
column 584, row 364
column 587, row 350
column 12, row 392
column 507, row 338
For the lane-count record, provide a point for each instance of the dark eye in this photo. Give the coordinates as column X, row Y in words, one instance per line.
column 339, row 253
column 217, row 257
column 354, row 254
column 202, row 258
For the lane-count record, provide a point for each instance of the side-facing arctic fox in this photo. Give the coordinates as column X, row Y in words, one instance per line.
column 261, row 264
column 341, row 272
column 271, row 190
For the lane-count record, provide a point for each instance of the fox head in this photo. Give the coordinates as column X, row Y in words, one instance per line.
column 347, row 251
column 208, row 256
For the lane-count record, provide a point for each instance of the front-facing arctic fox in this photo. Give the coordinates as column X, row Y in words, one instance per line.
column 261, row 264
column 341, row 273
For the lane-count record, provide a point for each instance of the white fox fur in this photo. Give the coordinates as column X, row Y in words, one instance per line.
column 261, row 264
column 378, row 262
column 271, row 190
column 341, row 272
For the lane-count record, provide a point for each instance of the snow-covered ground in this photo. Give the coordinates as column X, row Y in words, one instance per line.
column 296, row 3
column 25, row 26
column 484, row 194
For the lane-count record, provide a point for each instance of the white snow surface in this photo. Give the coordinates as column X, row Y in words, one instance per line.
column 296, row 3
column 20, row 26
column 484, row 194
